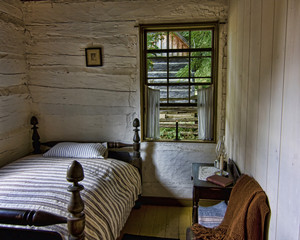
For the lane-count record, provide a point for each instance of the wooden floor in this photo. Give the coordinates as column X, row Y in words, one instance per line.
column 159, row 221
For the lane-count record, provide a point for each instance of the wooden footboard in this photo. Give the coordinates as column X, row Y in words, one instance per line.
column 24, row 217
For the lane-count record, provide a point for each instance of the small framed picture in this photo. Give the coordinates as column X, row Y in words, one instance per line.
column 93, row 57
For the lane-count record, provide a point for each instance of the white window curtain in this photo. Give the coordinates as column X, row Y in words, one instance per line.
column 205, row 113
column 153, row 105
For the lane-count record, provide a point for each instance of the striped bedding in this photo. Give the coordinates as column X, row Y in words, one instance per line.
column 39, row 183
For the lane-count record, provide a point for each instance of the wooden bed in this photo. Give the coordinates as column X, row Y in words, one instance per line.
column 37, row 202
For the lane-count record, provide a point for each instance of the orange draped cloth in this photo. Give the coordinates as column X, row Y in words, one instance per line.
column 245, row 216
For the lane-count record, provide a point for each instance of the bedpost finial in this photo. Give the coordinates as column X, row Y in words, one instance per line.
column 75, row 172
column 76, row 219
column 136, row 122
column 35, row 136
column 34, row 121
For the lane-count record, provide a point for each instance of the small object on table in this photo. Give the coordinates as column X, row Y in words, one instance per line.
column 217, row 164
column 220, row 180
column 221, row 172
column 221, row 163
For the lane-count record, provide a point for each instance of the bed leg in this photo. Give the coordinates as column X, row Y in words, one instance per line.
column 76, row 220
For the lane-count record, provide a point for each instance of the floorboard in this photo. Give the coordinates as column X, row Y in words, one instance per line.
column 159, row 221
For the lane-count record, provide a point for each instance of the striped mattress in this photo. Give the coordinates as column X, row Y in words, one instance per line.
column 38, row 183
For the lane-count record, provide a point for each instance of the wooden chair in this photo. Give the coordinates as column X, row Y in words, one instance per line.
column 246, row 216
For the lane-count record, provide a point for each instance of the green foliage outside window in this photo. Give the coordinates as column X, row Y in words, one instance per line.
column 200, row 61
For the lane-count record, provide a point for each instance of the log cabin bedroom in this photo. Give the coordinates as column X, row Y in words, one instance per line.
column 115, row 114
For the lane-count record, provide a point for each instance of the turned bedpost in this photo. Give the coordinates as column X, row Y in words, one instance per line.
column 35, row 136
column 76, row 220
column 136, row 145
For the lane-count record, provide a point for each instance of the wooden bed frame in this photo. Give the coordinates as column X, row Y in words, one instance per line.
column 76, row 220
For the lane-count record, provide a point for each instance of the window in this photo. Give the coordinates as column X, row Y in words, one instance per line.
column 179, row 75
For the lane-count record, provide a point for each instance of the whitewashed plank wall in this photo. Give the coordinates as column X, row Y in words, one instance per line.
column 79, row 103
column 14, row 94
column 262, row 115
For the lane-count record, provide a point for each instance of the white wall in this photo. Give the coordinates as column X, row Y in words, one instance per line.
column 14, row 94
column 262, row 115
column 74, row 102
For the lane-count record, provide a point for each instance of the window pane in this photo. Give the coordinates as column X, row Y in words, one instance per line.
column 157, row 68
column 201, row 67
column 201, row 80
column 186, row 118
column 163, row 93
column 179, row 54
column 179, row 80
column 178, row 94
column 156, row 55
column 157, row 81
column 201, row 39
column 193, row 93
column 179, row 40
column 178, row 67
column 156, row 40
column 201, row 54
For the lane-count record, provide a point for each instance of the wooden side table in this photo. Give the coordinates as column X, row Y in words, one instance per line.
column 206, row 190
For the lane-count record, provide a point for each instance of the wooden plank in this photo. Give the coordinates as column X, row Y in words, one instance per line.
column 162, row 218
column 160, row 221
column 288, row 221
column 13, row 41
column 13, row 66
column 237, row 84
column 85, row 127
column 89, row 12
column 280, row 13
column 13, row 8
column 262, row 143
column 81, row 78
column 148, row 221
column 87, row 29
column 65, row 44
column 12, row 80
column 241, row 160
column 185, row 221
column 172, row 223
column 253, row 84
column 230, row 89
column 88, row 96
column 134, row 222
column 14, row 145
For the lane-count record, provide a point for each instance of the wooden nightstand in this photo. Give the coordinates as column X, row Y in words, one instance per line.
column 206, row 190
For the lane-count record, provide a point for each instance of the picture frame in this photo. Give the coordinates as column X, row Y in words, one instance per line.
column 93, row 57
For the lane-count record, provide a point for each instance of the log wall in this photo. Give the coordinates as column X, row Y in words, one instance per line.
column 76, row 102
column 14, row 93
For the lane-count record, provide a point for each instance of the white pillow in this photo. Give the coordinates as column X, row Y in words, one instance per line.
column 77, row 150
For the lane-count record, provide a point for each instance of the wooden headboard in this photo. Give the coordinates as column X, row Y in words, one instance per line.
column 136, row 156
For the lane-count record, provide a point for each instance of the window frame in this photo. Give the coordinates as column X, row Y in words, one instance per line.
column 143, row 29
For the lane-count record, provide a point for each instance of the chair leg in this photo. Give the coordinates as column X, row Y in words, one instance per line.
column 189, row 234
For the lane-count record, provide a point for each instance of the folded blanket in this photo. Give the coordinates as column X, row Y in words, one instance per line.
column 245, row 216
